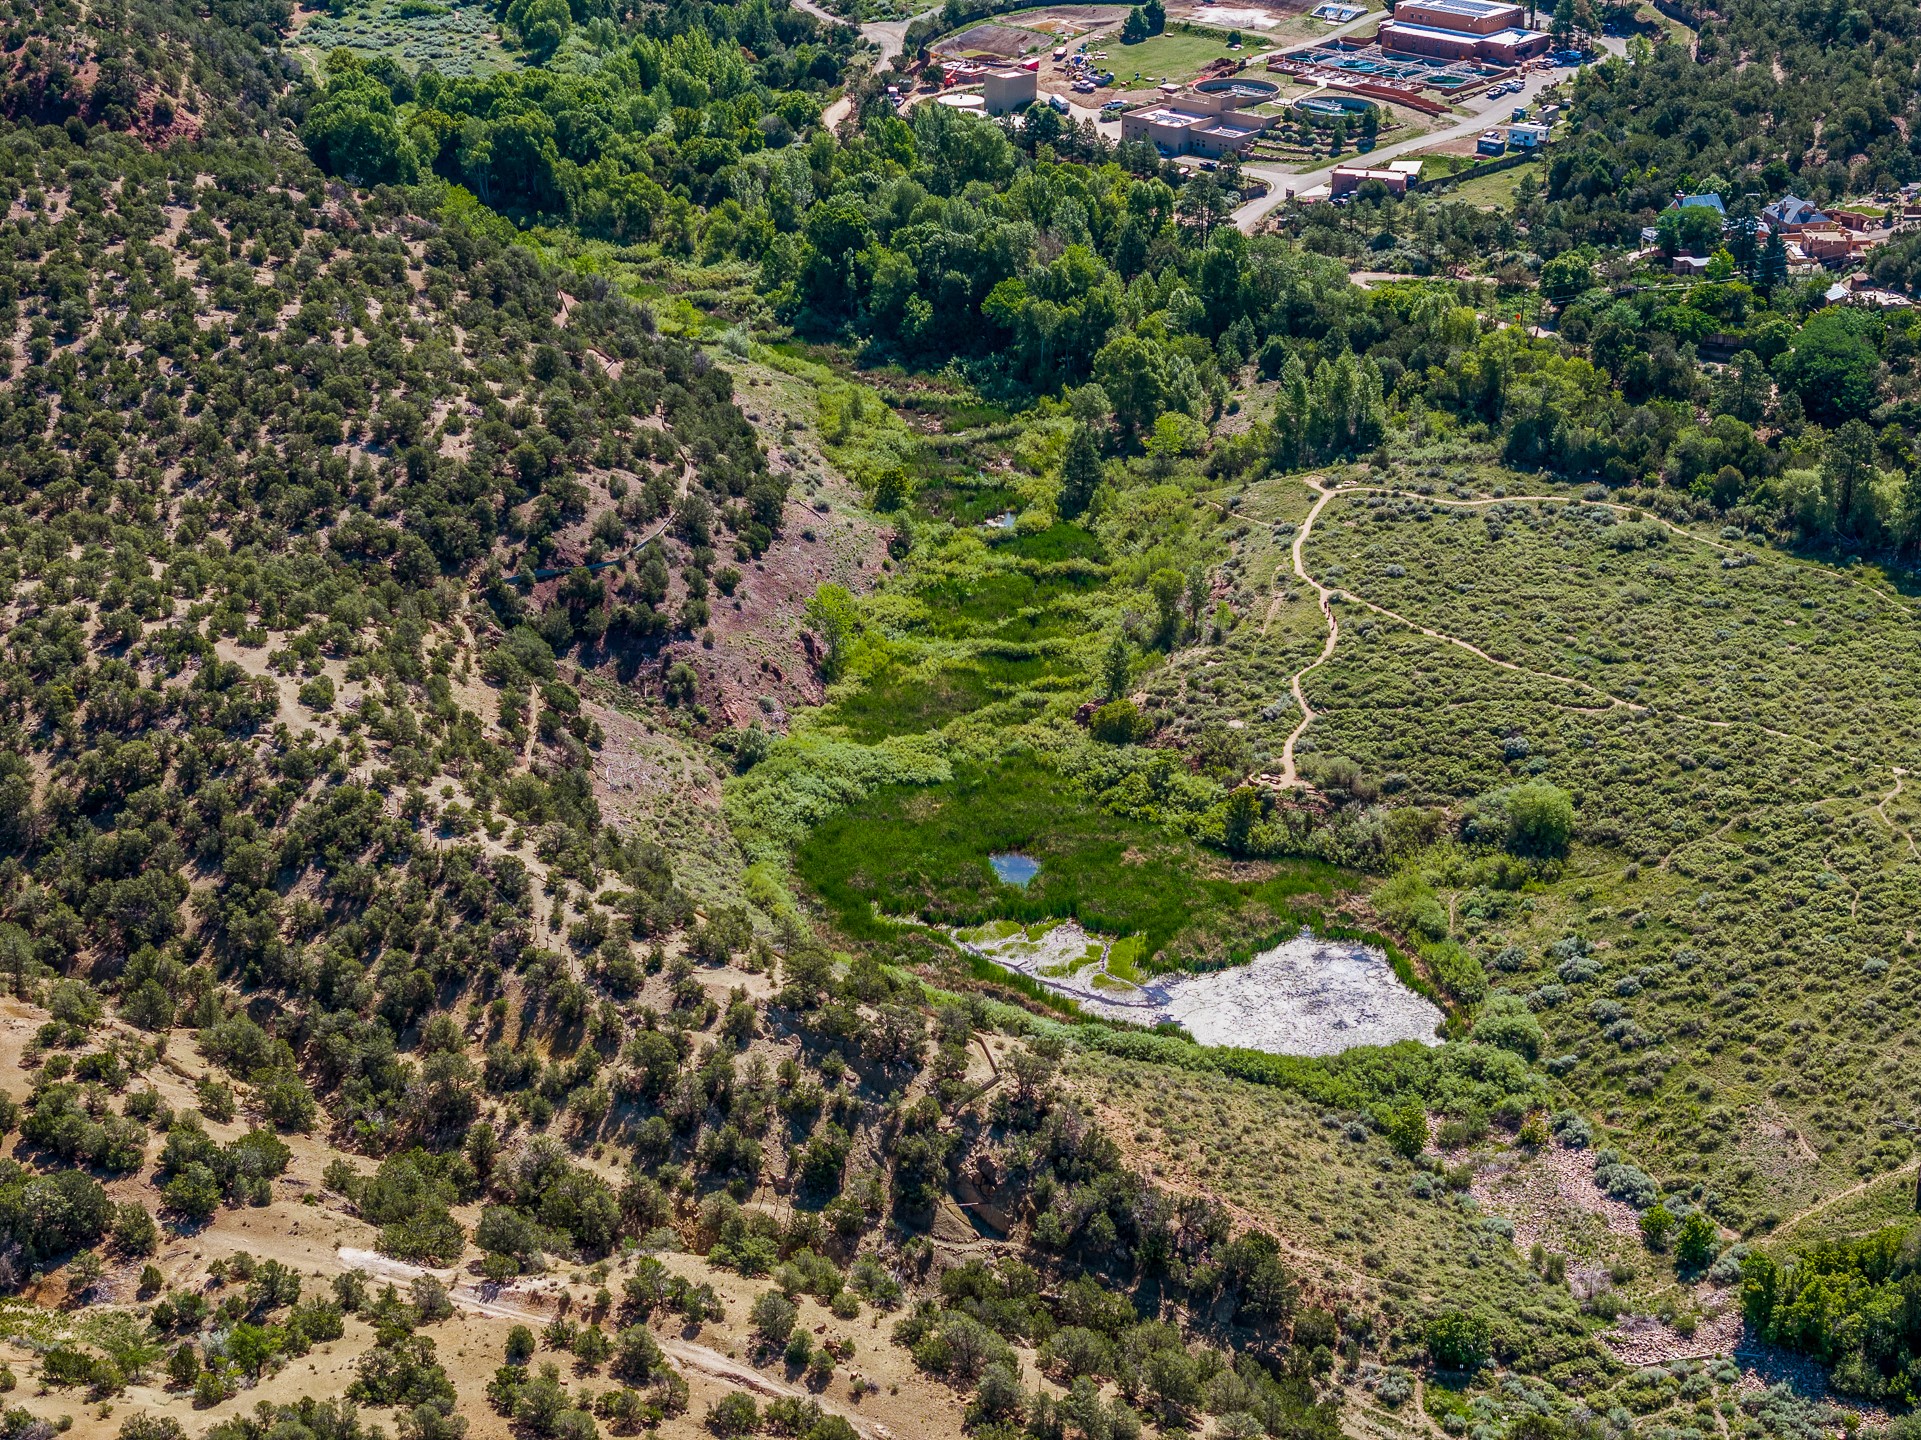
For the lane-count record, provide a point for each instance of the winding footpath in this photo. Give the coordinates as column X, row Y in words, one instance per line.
column 1289, row 777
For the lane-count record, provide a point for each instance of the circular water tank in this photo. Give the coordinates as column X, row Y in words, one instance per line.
column 1334, row 104
column 964, row 102
column 1242, row 87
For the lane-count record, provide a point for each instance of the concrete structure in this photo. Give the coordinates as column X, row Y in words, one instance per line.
column 1347, row 180
column 1239, row 87
column 1191, row 122
column 1462, row 30
column 1325, row 103
column 1005, row 90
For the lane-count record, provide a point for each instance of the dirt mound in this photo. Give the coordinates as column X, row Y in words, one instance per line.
column 999, row 40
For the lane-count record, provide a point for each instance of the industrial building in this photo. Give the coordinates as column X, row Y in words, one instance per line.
column 1462, row 30
column 1007, row 90
column 1192, row 122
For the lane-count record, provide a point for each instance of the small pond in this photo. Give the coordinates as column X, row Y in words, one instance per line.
column 1014, row 868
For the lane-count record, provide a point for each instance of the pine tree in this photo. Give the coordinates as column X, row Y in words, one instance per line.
column 1910, row 521
column 1243, row 814
column 1114, row 667
column 1080, row 472
column 1289, row 434
column 1773, row 269
column 1847, row 474
column 1743, row 244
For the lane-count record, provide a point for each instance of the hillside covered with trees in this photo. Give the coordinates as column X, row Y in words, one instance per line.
column 543, row 592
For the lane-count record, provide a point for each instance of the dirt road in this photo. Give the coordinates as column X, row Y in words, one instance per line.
column 889, row 35
column 503, row 1303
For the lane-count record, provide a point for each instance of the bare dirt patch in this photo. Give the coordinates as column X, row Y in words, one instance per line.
column 1550, row 1196
column 757, row 667
column 1003, row 41
column 652, row 782
column 1644, row 1340
column 1306, row 996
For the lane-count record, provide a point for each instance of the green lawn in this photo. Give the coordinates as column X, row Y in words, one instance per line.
column 1177, row 57
column 1493, row 192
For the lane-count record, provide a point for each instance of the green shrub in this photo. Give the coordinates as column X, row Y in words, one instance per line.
column 1119, row 722
column 1457, row 1340
column 1506, row 1021
column 1456, row 971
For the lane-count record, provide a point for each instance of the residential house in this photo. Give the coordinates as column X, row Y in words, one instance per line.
column 1831, row 245
column 1346, row 180
column 1791, row 215
column 1689, row 202
column 1858, row 222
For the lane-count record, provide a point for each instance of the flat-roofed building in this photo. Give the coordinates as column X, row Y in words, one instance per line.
column 1192, row 122
column 1346, row 180
column 1503, row 47
column 1009, row 89
column 1469, row 17
column 1462, row 30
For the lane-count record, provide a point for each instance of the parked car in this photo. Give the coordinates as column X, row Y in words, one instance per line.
column 1059, row 102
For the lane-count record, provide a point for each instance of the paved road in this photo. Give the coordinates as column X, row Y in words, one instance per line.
column 1486, row 112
